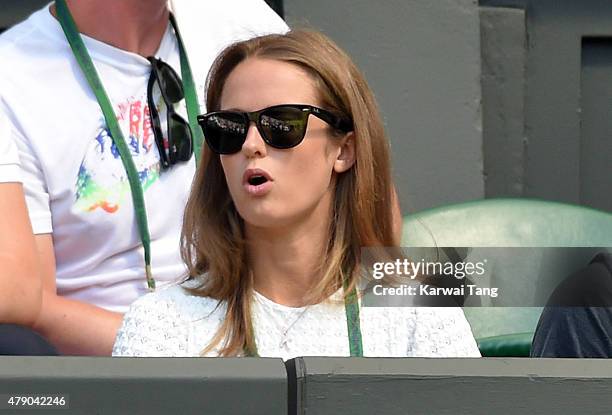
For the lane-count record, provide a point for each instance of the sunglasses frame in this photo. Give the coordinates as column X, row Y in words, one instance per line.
column 173, row 156
column 335, row 121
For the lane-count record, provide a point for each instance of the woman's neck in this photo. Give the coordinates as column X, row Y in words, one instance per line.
column 286, row 261
column 136, row 26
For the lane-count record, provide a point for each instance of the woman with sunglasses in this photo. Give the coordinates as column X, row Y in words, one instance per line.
column 296, row 179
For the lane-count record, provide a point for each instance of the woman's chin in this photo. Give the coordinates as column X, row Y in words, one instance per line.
column 262, row 218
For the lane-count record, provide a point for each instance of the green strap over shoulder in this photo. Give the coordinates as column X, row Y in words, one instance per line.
column 351, row 306
column 191, row 96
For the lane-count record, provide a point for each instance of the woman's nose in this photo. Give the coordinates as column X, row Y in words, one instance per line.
column 254, row 145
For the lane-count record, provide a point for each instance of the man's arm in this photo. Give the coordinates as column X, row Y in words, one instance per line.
column 577, row 321
column 574, row 332
column 73, row 327
column 20, row 283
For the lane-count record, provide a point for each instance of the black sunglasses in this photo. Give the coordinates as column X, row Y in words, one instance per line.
column 180, row 142
column 280, row 126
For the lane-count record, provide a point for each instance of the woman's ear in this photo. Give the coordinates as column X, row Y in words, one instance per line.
column 346, row 155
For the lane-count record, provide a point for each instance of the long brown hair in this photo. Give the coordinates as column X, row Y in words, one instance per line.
column 212, row 240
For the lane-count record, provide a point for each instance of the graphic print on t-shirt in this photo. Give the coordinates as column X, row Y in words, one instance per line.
column 102, row 180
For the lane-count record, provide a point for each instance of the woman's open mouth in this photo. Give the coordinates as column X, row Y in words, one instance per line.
column 257, row 182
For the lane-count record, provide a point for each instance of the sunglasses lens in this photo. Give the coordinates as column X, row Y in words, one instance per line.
column 283, row 127
column 169, row 82
column 225, row 132
column 180, row 139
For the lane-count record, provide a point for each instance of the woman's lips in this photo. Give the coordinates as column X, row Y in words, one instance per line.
column 256, row 189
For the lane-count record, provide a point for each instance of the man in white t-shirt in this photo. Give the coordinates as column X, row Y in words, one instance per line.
column 75, row 184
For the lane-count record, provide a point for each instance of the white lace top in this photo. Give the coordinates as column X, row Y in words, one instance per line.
column 171, row 322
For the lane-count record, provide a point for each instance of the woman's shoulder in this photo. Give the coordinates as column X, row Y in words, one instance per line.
column 443, row 332
column 161, row 323
column 178, row 300
column 420, row 331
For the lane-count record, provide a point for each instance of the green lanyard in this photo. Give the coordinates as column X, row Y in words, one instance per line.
column 351, row 307
column 84, row 60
